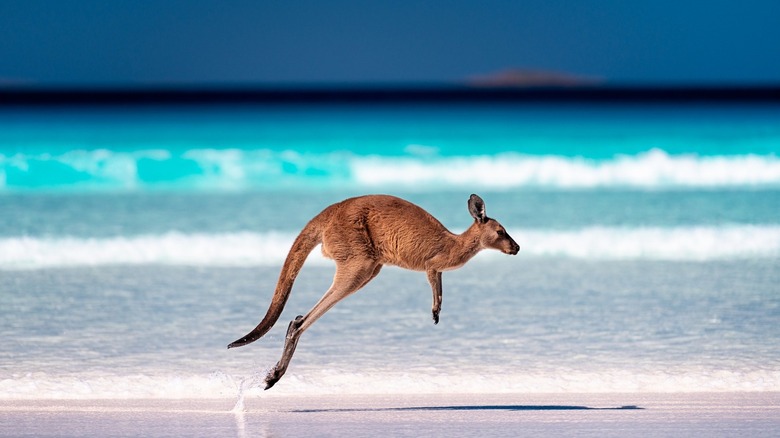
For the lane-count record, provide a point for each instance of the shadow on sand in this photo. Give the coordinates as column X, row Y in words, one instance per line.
column 477, row 408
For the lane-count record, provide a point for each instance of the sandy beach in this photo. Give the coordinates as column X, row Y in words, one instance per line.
column 640, row 414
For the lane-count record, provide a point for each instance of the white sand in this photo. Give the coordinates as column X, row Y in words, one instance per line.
column 680, row 414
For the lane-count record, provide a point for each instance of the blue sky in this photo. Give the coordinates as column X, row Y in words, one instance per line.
column 119, row 42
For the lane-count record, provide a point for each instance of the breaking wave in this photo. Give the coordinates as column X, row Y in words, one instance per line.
column 649, row 170
column 85, row 386
column 698, row 243
column 238, row 169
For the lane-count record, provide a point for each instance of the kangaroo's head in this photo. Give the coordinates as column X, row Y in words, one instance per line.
column 491, row 233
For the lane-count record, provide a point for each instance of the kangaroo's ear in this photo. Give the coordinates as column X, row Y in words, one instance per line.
column 477, row 209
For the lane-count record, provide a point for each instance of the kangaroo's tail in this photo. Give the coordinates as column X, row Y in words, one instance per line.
column 309, row 237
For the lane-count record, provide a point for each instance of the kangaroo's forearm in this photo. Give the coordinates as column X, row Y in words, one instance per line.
column 434, row 278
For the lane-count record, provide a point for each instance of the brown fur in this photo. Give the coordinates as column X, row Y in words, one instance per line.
column 361, row 235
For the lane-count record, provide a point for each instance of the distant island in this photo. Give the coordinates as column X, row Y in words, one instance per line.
column 522, row 78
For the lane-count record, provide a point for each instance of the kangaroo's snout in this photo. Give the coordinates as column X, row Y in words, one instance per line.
column 513, row 248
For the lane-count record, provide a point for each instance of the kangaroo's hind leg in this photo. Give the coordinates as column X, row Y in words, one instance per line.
column 350, row 276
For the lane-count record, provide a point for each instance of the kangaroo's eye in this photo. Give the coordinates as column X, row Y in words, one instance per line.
column 501, row 233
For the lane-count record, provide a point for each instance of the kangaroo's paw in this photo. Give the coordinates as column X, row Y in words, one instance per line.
column 273, row 376
column 435, row 316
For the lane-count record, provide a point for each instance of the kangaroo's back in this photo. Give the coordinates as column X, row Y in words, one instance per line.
column 387, row 229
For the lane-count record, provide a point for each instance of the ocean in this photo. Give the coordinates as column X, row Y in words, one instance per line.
column 137, row 242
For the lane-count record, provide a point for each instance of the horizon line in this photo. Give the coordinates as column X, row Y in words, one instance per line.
column 182, row 94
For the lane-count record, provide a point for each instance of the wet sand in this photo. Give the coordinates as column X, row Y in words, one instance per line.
column 641, row 414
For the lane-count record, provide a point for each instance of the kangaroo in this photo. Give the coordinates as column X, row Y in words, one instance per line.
column 361, row 235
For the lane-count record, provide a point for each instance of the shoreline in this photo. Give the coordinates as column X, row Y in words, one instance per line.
column 602, row 414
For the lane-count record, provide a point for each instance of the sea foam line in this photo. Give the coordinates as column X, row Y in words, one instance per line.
column 697, row 243
column 229, row 249
column 237, row 169
column 651, row 169
column 219, row 385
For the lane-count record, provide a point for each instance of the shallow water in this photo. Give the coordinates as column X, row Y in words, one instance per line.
column 519, row 325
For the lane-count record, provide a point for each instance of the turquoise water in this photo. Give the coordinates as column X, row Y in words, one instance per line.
column 343, row 147
column 135, row 243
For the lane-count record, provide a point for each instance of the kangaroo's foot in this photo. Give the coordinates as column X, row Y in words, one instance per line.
column 291, row 340
column 435, row 316
column 273, row 376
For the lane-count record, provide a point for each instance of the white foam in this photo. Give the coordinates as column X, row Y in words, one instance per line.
column 698, row 243
column 230, row 249
column 86, row 386
column 270, row 249
column 652, row 169
column 232, row 169
column 555, row 380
